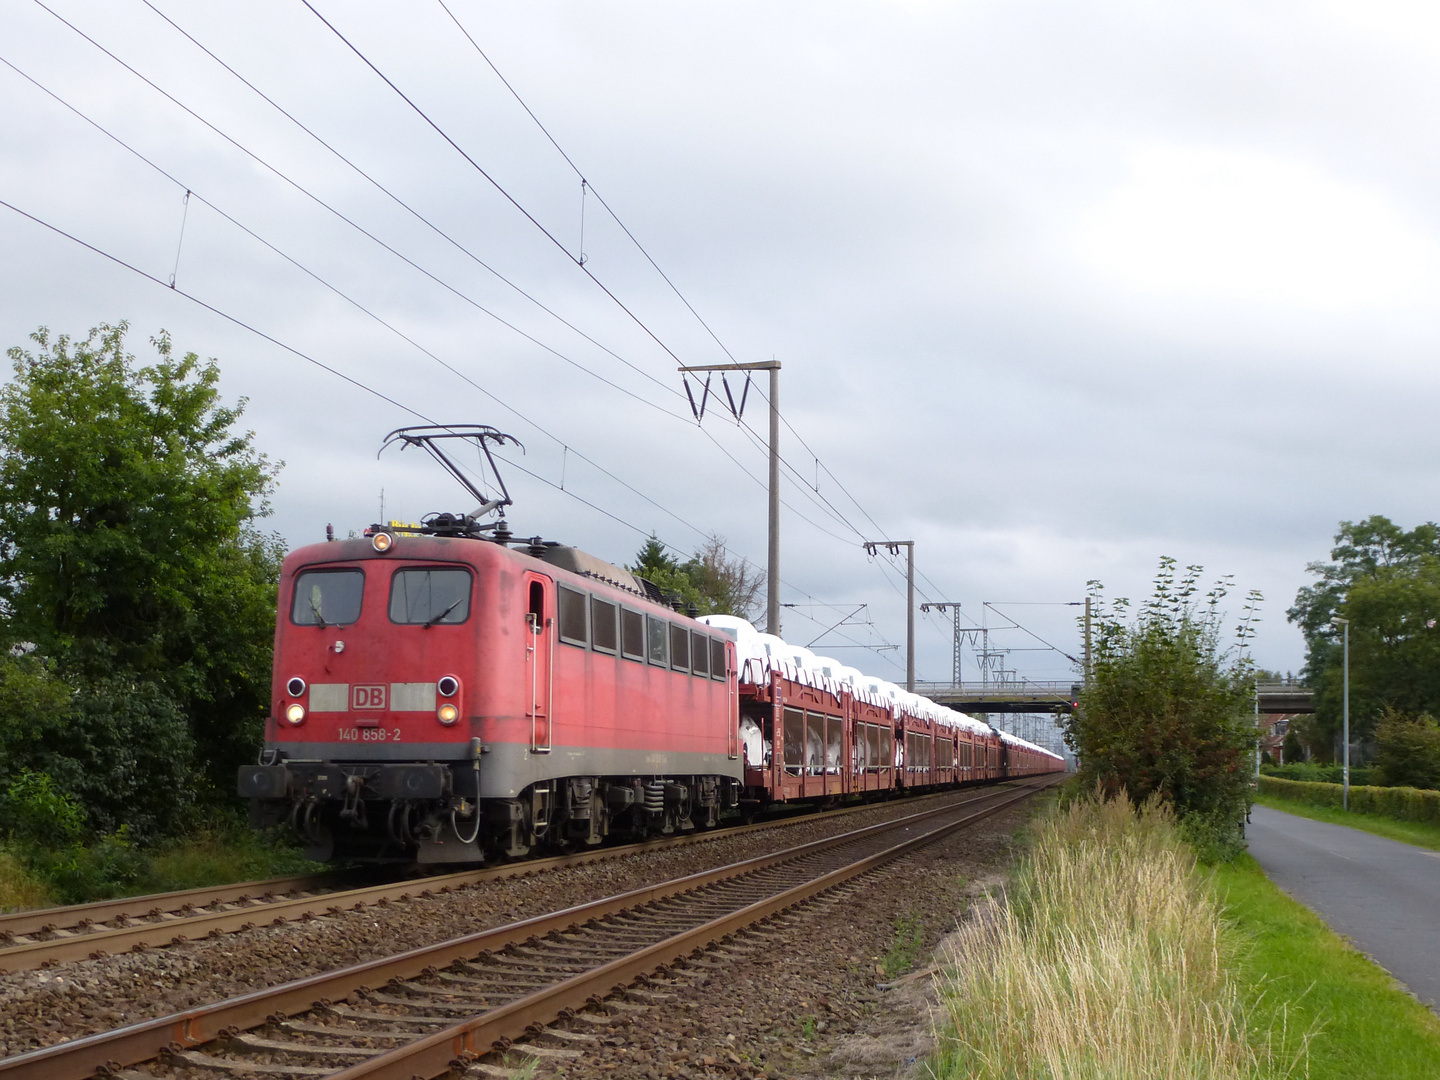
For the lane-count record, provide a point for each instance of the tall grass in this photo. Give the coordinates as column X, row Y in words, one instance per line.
column 1106, row 961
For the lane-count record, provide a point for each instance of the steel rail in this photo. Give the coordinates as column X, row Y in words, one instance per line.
column 134, row 1043
column 433, row 1054
column 94, row 943
column 47, row 920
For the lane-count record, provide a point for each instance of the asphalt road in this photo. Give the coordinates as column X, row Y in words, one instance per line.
column 1381, row 894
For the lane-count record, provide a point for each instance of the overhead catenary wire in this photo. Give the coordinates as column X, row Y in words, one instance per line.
column 587, row 185
column 236, row 320
column 355, row 225
column 357, row 304
column 584, row 182
column 828, row 508
column 496, row 184
column 373, row 315
column 493, row 182
column 443, row 234
column 274, row 170
column 798, row 480
column 253, row 329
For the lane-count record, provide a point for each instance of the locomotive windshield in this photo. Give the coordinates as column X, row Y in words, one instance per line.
column 327, row 597
column 430, row 595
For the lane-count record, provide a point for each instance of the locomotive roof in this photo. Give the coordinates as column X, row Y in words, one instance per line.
column 468, row 549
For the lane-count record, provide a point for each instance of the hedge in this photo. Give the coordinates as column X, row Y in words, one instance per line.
column 1404, row 803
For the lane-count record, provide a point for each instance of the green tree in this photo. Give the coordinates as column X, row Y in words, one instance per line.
column 1386, row 581
column 1168, row 710
column 712, row 580
column 1407, row 750
column 129, row 557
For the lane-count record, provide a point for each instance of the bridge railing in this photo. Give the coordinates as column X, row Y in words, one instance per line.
column 1056, row 688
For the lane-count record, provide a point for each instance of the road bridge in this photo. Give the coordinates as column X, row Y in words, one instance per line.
column 1011, row 697
column 1283, row 696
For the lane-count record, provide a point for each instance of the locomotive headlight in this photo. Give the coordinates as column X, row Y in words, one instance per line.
column 447, row 713
column 382, row 541
column 295, row 712
column 447, row 685
column 296, row 686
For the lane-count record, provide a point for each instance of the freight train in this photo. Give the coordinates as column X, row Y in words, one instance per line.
column 447, row 694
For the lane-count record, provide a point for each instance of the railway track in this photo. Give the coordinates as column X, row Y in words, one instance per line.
column 30, row 940
column 417, row 1012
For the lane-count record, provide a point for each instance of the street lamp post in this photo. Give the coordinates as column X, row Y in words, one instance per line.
column 1344, row 624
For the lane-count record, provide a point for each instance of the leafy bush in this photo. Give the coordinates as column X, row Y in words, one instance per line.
column 1407, row 750
column 35, row 812
column 112, row 866
column 125, row 753
column 34, row 875
column 227, row 849
column 1168, row 712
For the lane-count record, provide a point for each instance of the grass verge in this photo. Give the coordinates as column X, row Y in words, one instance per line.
column 1301, row 974
column 1106, row 960
column 1421, row 833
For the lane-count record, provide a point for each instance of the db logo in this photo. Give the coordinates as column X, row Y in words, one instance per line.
column 367, row 697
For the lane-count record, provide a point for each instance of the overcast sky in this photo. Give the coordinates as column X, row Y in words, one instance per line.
column 1057, row 289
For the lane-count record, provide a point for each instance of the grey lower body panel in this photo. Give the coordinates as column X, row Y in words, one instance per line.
column 376, row 751
column 506, row 769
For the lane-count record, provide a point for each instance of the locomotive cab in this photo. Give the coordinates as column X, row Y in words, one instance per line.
column 374, row 655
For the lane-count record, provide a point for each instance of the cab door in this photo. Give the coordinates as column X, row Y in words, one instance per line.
column 539, row 670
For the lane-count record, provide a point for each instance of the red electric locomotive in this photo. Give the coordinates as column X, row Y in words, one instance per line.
column 445, row 691
column 438, row 694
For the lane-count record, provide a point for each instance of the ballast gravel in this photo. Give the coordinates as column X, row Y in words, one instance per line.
column 812, row 999
column 40, row 1008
